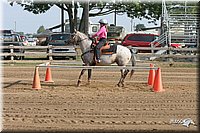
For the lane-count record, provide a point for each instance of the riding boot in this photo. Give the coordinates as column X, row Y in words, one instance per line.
column 98, row 55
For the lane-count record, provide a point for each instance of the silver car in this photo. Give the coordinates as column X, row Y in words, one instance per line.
column 59, row 46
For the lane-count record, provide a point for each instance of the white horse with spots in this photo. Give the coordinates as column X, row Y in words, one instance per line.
column 122, row 56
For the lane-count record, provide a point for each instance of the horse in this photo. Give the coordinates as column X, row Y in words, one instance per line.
column 122, row 57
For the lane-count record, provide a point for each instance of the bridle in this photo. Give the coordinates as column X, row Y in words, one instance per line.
column 78, row 41
column 82, row 40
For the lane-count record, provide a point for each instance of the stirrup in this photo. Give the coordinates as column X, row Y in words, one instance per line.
column 99, row 61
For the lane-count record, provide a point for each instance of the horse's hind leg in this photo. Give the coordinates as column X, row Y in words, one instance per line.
column 89, row 75
column 120, row 80
column 124, row 76
column 79, row 79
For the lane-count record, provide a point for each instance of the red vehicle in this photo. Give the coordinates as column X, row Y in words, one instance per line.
column 140, row 40
column 24, row 39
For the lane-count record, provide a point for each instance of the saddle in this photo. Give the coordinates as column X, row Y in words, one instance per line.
column 107, row 49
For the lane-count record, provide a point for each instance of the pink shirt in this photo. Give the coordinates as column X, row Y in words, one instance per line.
column 102, row 33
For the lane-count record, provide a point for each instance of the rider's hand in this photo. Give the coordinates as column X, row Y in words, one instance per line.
column 90, row 38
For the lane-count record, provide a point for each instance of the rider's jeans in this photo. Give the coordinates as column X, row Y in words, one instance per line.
column 102, row 41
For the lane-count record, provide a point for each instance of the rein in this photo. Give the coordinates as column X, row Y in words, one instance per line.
column 78, row 41
column 81, row 40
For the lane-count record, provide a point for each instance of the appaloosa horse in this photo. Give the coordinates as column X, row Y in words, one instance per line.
column 121, row 56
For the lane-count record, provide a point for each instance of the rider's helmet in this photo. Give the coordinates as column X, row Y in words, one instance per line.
column 103, row 21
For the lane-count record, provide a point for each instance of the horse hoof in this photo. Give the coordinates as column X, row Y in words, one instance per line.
column 78, row 84
column 118, row 85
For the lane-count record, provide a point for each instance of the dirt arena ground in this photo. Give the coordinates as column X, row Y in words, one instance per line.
column 100, row 106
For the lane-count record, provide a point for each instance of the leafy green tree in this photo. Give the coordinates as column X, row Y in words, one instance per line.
column 139, row 27
column 134, row 9
column 178, row 7
column 41, row 29
column 20, row 33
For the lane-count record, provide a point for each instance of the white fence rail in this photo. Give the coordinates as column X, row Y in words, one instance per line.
column 184, row 52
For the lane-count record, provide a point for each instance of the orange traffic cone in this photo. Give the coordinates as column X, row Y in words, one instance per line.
column 157, row 86
column 48, row 77
column 36, row 80
column 151, row 75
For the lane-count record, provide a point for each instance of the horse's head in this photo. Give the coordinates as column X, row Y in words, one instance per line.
column 77, row 38
column 74, row 38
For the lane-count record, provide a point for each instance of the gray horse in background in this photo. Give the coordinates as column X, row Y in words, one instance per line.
column 122, row 57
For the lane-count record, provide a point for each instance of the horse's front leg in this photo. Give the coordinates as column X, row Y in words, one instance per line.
column 79, row 79
column 124, row 76
column 89, row 75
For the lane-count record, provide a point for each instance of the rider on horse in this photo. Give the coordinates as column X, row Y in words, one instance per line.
column 102, row 37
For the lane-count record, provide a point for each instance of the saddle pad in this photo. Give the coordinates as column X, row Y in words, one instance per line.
column 111, row 50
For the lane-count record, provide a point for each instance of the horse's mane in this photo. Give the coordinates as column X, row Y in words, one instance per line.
column 84, row 36
column 81, row 34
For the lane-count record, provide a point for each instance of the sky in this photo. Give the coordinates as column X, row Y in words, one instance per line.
column 17, row 19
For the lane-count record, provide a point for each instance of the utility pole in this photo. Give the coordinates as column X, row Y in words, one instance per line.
column 131, row 24
column 115, row 15
column 115, row 19
column 86, row 17
column 62, row 19
column 15, row 26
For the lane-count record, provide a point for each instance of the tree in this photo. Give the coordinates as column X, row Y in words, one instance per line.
column 150, row 10
column 41, row 29
column 139, row 27
column 178, row 7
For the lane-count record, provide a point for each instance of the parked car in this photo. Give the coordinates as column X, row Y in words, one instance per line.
column 60, row 47
column 6, row 31
column 140, row 40
column 32, row 41
column 24, row 40
column 12, row 39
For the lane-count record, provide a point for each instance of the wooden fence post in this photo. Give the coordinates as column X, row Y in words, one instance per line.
column 170, row 59
column 50, row 52
column 152, row 51
column 12, row 52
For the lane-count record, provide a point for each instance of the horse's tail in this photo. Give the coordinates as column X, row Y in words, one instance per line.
column 133, row 60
